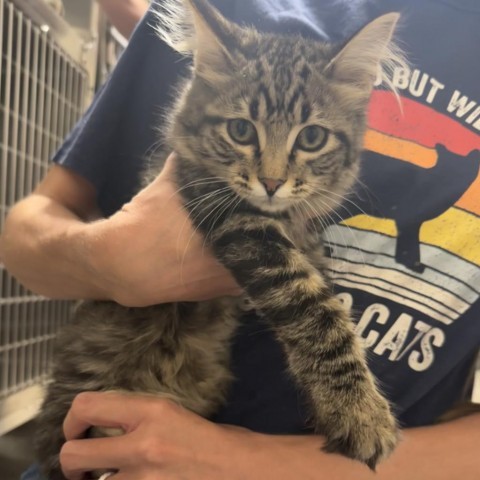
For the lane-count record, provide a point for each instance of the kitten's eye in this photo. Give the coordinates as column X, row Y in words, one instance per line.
column 242, row 131
column 311, row 138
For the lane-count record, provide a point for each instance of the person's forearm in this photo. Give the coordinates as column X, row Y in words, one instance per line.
column 440, row 452
column 43, row 245
column 124, row 14
column 145, row 253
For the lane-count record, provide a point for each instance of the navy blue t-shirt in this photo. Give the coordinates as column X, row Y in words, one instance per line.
column 405, row 257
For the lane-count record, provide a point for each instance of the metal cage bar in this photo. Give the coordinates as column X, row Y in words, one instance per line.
column 43, row 91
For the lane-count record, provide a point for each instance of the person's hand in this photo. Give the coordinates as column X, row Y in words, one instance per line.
column 148, row 252
column 162, row 441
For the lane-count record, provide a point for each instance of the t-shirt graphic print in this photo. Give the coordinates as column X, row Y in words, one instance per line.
column 406, row 255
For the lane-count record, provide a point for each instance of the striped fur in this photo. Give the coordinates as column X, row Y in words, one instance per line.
column 281, row 84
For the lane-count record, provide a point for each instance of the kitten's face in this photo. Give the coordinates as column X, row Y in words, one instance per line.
column 275, row 118
column 275, row 132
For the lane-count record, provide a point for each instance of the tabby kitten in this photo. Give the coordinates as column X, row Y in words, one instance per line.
column 268, row 133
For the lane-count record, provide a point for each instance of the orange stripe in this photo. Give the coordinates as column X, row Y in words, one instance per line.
column 423, row 157
column 401, row 149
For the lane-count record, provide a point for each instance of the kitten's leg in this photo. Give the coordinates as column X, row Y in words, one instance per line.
column 323, row 352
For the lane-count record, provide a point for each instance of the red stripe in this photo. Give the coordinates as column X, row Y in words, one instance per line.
column 419, row 123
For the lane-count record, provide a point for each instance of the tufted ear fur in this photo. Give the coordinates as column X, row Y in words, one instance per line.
column 358, row 61
column 214, row 37
column 194, row 27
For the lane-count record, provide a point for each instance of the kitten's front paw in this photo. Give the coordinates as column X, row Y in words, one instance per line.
column 365, row 430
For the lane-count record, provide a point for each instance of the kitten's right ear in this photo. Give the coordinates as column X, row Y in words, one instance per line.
column 214, row 36
column 195, row 27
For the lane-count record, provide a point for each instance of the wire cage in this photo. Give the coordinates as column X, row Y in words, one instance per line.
column 43, row 91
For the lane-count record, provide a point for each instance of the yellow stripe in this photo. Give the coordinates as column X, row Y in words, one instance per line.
column 456, row 231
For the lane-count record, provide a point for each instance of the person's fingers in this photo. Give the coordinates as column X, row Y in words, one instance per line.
column 166, row 180
column 129, row 475
column 168, row 168
column 78, row 457
column 169, row 163
column 107, row 475
column 106, row 409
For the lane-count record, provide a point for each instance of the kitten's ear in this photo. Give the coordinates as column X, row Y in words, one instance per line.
column 196, row 28
column 215, row 37
column 358, row 61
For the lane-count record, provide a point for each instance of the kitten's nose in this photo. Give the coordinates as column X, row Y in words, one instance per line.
column 271, row 185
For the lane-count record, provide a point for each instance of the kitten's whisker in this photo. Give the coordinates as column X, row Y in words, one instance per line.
column 217, row 212
column 318, row 192
column 314, row 221
column 197, row 202
column 217, row 203
column 364, row 186
column 205, row 196
column 352, row 234
column 220, row 212
column 180, row 137
column 153, row 149
column 302, row 209
column 339, row 227
column 320, row 217
column 343, row 198
column 217, row 209
column 316, row 216
column 201, row 181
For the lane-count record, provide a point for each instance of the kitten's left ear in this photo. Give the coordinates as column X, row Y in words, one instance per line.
column 215, row 38
column 357, row 62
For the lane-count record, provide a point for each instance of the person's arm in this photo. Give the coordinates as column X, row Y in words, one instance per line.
column 164, row 440
column 144, row 254
column 124, row 14
column 42, row 243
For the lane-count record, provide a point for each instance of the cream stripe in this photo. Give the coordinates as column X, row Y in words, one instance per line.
column 397, row 299
column 399, row 281
column 401, row 292
column 449, row 272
